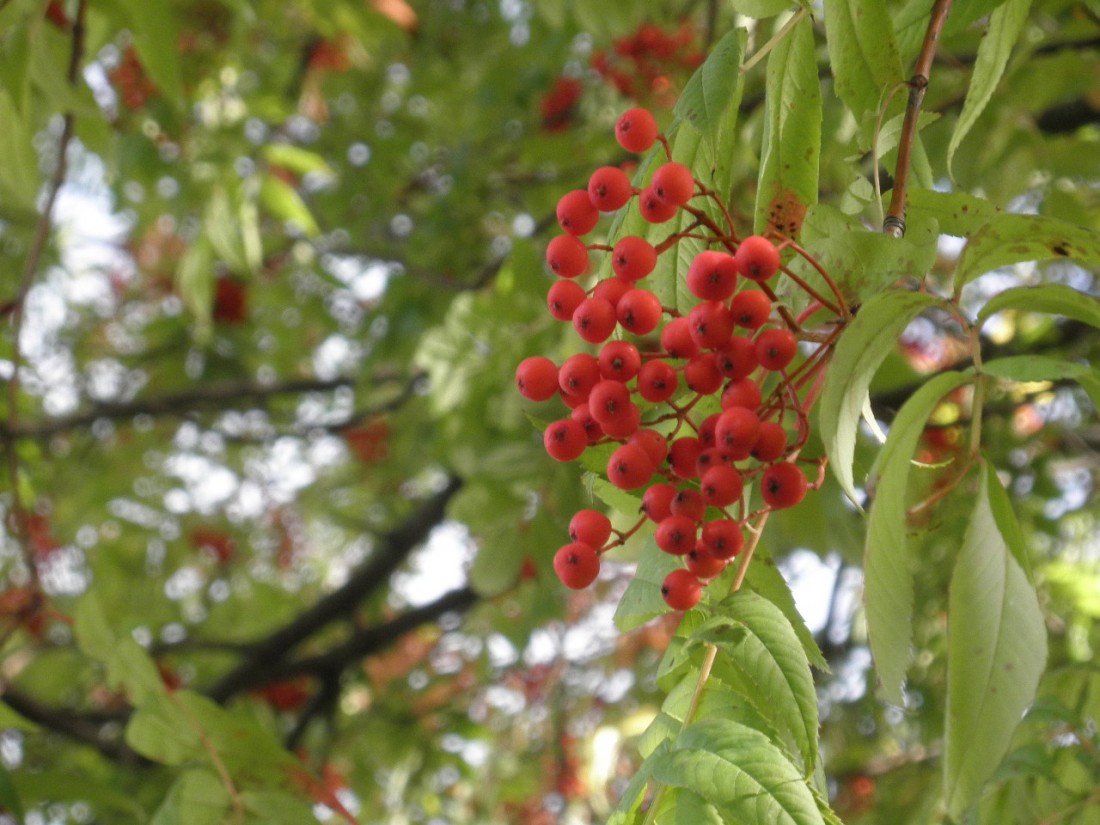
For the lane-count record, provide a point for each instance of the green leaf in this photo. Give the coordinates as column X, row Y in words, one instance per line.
column 996, row 652
column 741, row 773
column 1004, row 516
column 764, row 578
column 887, row 565
column 18, row 174
column 1010, row 239
column 1005, row 26
column 1043, row 368
column 1053, row 299
column 758, row 646
column 9, row 796
column 792, row 139
column 198, row 797
column 296, row 159
column 612, row 496
column 283, row 201
column 131, row 667
column 158, row 731
column 956, row 213
column 715, row 86
column 642, row 599
column 156, row 31
column 195, row 280
column 93, row 633
column 628, row 811
column 862, row 347
column 862, row 53
column 679, row 806
column 277, row 807
column 766, row 8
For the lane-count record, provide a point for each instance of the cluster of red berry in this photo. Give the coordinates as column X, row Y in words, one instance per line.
column 646, row 65
column 131, row 80
column 698, row 403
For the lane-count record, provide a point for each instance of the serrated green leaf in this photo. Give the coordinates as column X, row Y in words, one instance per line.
column 198, row 797
column 284, row 202
column 861, row 349
column 887, row 566
column 642, row 599
column 131, row 668
column 613, row 497
column 679, row 806
column 1044, row 368
column 1010, row 239
column 767, row 8
column 996, row 652
column 157, row 732
column 1005, row 25
column 628, row 811
column 277, row 807
column 956, row 213
column 676, row 660
column 296, row 159
column 93, row 633
column 792, row 139
column 757, row 644
column 714, row 87
column 763, row 577
column 1004, row 516
column 862, row 53
column 1053, row 299
column 736, row 769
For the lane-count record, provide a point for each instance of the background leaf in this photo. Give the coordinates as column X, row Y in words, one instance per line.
column 1055, row 299
column 862, row 54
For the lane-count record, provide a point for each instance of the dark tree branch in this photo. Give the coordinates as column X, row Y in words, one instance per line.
column 392, row 550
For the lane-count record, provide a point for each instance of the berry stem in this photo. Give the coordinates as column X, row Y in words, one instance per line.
column 764, row 50
column 841, row 306
column 756, row 531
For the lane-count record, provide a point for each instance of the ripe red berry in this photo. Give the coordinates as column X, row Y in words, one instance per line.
column 737, row 430
column 655, row 444
column 677, row 340
column 750, row 308
column 594, row 320
column 624, row 423
column 565, row 440
column 537, row 378
column 657, row 381
column 579, row 374
column 770, row 443
column 688, row 502
column 757, row 258
column 676, row 534
column 657, row 502
column 608, row 400
column 592, row 428
column 702, row 375
column 673, row 183
column 682, row 455
column 721, row 486
column 567, row 256
column 619, row 360
column 577, row 565
column 653, row 209
column 633, row 258
column 681, row 590
column 609, row 188
column 723, row 538
column 629, row 467
column 590, row 527
column 775, row 348
column 712, row 275
column 563, row 299
column 612, row 289
column 639, row 311
column 737, row 357
column 702, row 563
column 576, row 214
column 710, row 324
column 783, row 485
column 743, row 392
column 636, row 130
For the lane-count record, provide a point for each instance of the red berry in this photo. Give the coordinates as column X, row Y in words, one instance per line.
column 625, row 423
column 619, row 360
column 571, row 401
column 688, row 502
column 775, row 348
column 563, row 299
column 612, row 289
column 770, row 443
column 737, row 430
column 723, row 538
column 590, row 527
column 702, row 375
column 712, row 276
column 633, row 258
column 744, row 392
column 657, row 381
column 757, row 258
column 737, row 358
column 673, row 183
column 639, row 311
column 682, row 455
column 567, row 256
column 592, row 428
column 629, row 467
column 636, row 130
column 655, row 444
column 576, row 214
column 609, row 188
column 607, row 400
column 653, row 209
column 783, row 485
column 681, row 590
column 594, row 320
column 537, row 378
column 657, row 502
column 579, row 374
column 711, row 324
column 677, row 340
column 721, row 486
column 750, row 309
column 565, row 440
column 577, row 565
column 676, row 534
column 702, row 563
